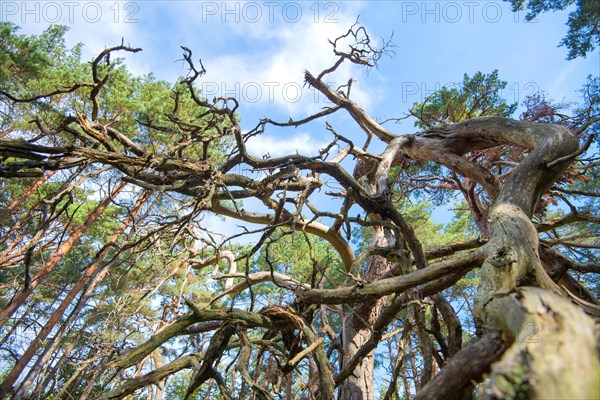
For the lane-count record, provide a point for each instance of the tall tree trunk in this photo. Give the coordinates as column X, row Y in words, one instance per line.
column 6, row 258
column 73, row 382
column 357, row 331
column 22, row 295
column 13, row 375
column 16, row 325
column 44, row 358
column 160, row 386
column 92, row 380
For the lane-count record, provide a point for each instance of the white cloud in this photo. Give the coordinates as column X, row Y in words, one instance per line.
column 258, row 59
column 273, row 71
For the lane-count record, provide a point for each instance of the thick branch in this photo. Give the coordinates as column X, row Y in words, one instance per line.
column 136, row 355
column 554, row 354
column 383, row 287
column 467, row 367
column 154, row 377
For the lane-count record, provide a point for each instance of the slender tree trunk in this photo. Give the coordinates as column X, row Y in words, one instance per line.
column 66, row 187
column 209, row 390
column 50, row 348
column 25, row 195
column 426, row 347
column 22, row 295
column 76, row 377
column 288, row 386
column 399, row 366
column 14, row 326
column 5, row 132
column 44, row 361
column 15, row 251
column 92, row 380
column 56, row 316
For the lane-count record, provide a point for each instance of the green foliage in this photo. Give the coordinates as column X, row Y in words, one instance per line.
column 31, row 66
column 145, row 282
column 477, row 96
column 588, row 111
column 177, row 385
column 301, row 257
column 432, row 234
column 26, row 60
column 584, row 22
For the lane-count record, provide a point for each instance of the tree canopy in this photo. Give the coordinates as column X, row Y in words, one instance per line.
column 113, row 285
column 583, row 35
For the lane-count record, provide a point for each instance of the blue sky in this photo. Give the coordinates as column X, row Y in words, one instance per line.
column 258, row 50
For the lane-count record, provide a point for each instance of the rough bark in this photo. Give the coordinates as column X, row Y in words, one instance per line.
column 455, row 381
column 391, row 281
column 180, row 324
column 544, row 368
column 378, row 288
column 154, row 377
column 357, row 331
column 554, row 352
